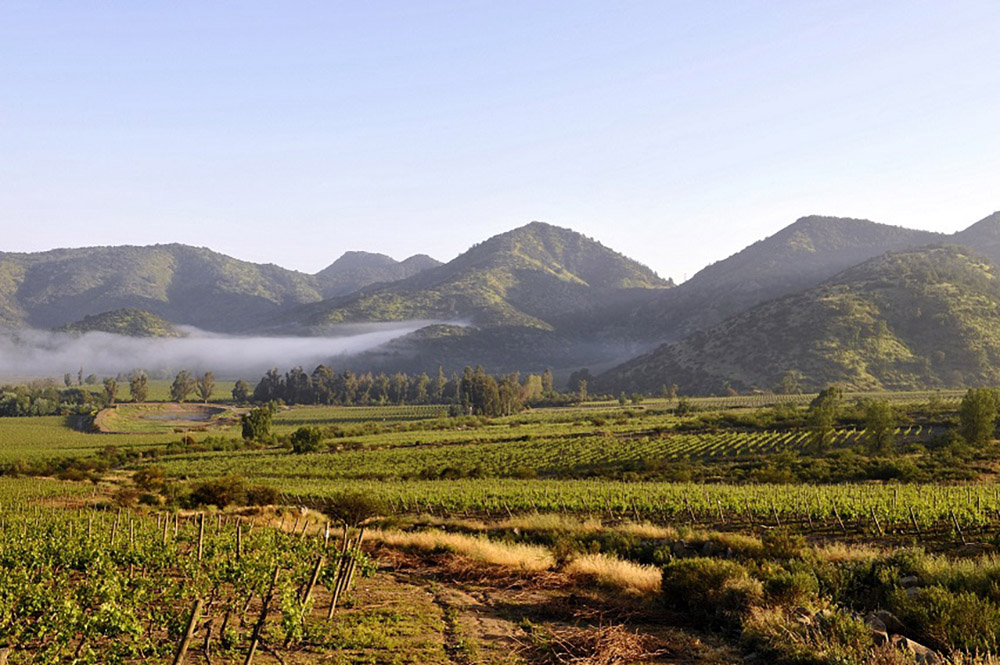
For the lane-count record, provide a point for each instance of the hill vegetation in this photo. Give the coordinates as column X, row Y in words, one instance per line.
column 920, row 318
column 798, row 257
column 356, row 270
column 183, row 284
column 524, row 277
column 127, row 321
column 541, row 297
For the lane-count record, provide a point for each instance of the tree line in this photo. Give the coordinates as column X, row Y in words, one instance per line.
column 474, row 392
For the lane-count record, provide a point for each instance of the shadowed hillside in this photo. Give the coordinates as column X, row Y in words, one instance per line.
column 914, row 319
column 799, row 256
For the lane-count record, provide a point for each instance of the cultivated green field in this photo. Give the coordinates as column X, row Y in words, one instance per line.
column 51, row 437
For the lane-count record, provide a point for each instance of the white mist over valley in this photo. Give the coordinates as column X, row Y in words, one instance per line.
column 36, row 353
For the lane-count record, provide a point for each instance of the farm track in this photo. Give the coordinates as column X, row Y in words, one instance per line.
column 487, row 612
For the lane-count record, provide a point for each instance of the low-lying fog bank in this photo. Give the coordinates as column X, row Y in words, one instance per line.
column 42, row 353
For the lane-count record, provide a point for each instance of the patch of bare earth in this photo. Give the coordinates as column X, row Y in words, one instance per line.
column 498, row 615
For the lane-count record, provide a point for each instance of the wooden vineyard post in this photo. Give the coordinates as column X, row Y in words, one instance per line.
column 201, row 536
column 189, row 633
column 954, row 520
column 259, row 626
column 878, row 526
column 239, row 541
column 354, row 559
column 836, row 514
column 313, row 579
column 913, row 518
column 308, row 589
column 345, row 570
column 206, row 647
column 774, row 511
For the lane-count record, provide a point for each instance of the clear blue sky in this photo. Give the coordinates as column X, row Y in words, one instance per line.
column 677, row 133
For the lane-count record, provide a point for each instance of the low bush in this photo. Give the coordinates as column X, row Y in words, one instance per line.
column 716, row 588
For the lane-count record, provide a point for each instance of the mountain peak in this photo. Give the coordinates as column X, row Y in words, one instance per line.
column 924, row 317
column 982, row 237
column 355, row 259
column 988, row 225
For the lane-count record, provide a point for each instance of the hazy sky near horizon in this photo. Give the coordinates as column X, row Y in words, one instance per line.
column 674, row 132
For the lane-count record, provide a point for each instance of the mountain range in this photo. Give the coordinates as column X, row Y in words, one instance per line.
column 825, row 299
column 185, row 285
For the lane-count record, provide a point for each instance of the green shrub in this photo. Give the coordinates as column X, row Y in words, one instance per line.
column 221, row 492
column 783, row 544
column 947, row 620
column 306, row 439
column 794, row 589
column 713, row 587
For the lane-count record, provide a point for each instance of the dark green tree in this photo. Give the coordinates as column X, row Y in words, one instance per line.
column 791, row 383
column 206, row 386
column 110, row 390
column 138, row 385
column 548, row 384
column 511, row 395
column 241, row 392
column 822, row 418
column 479, row 393
column 881, row 421
column 978, row 415
column 257, row 424
column 182, row 386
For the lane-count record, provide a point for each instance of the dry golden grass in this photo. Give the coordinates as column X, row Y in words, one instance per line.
column 522, row 557
column 648, row 531
column 744, row 544
column 624, row 575
column 844, row 552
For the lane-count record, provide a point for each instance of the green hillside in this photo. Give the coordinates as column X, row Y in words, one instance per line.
column 982, row 237
column 798, row 257
column 914, row 319
column 525, row 277
column 182, row 284
column 127, row 321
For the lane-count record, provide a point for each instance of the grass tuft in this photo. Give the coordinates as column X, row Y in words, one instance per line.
column 617, row 573
column 523, row 557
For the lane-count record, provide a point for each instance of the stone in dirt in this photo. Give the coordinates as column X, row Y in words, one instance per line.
column 924, row 655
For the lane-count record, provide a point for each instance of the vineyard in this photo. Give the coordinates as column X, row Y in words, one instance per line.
column 134, row 587
column 188, row 569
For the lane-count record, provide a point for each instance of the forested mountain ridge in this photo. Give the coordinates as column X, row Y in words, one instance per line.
column 356, row 270
column 183, row 284
column 798, row 257
column 524, row 277
column 915, row 319
column 982, row 237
